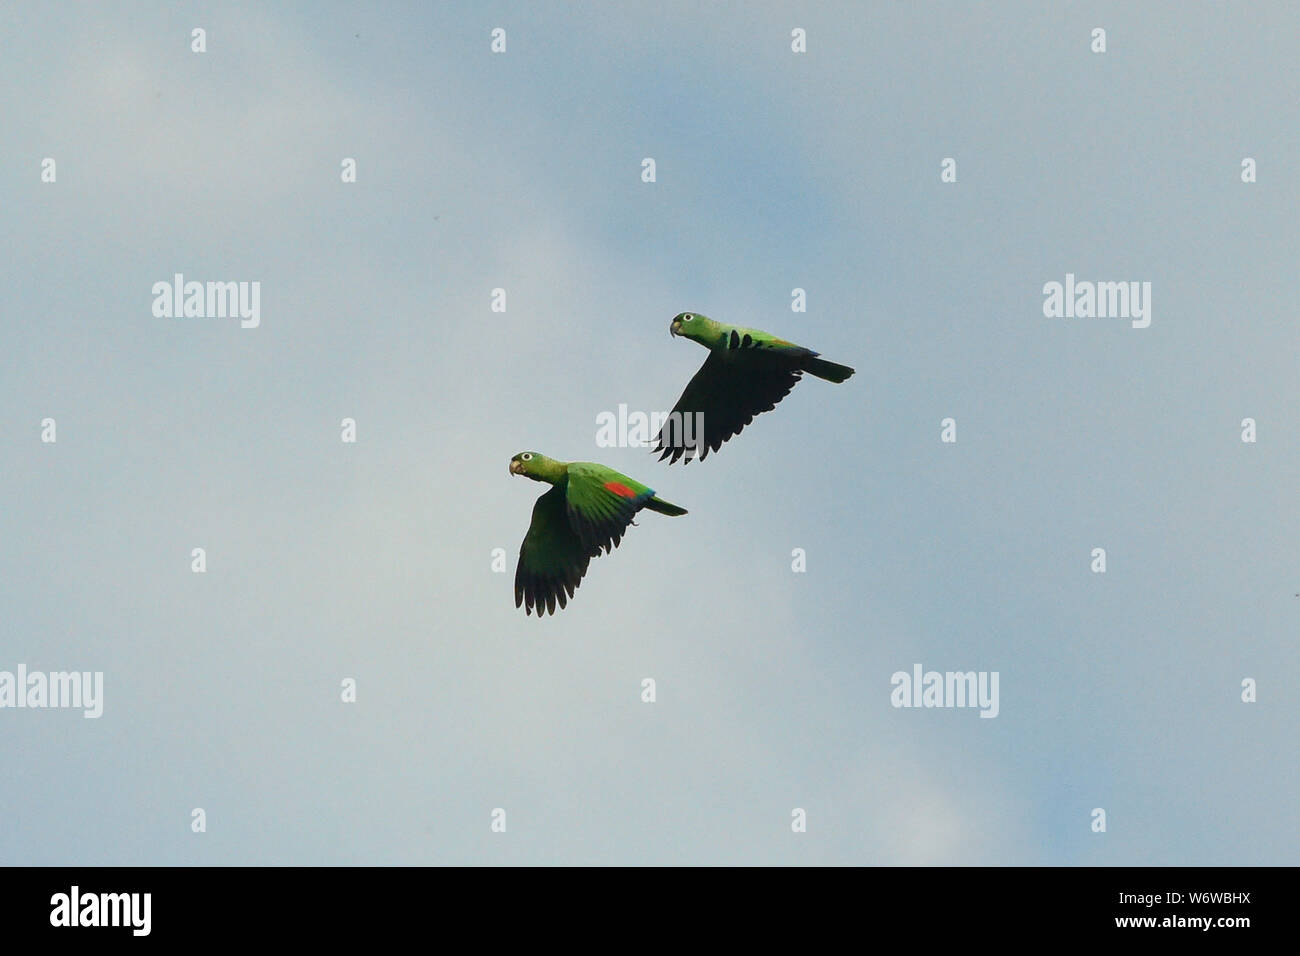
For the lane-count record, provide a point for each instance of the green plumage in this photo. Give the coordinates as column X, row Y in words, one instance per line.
column 583, row 516
column 748, row 372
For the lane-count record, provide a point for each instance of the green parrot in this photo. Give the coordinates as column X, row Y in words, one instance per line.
column 747, row 373
column 582, row 517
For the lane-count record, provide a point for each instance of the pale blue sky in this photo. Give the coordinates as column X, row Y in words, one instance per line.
column 775, row 170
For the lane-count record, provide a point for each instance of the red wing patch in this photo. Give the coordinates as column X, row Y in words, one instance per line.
column 623, row 491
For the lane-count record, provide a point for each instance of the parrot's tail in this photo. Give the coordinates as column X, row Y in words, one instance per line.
column 827, row 370
column 664, row 508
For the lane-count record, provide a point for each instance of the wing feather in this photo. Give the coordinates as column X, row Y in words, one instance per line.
column 728, row 390
column 552, row 558
column 601, row 504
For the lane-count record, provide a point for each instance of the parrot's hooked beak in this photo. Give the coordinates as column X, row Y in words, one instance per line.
column 514, row 468
column 674, row 327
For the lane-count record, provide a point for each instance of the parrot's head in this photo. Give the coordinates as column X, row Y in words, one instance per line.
column 532, row 465
column 690, row 325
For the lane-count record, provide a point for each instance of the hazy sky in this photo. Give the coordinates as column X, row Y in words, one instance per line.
column 775, row 170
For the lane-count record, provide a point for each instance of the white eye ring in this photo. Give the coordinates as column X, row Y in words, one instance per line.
column 526, row 457
column 687, row 317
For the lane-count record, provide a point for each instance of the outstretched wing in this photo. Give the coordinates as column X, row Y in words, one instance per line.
column 728, row 390
column 552, row 559
column 601, row 504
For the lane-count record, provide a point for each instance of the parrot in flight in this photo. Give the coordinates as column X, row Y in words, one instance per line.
column 747, row 373
column 583, row 516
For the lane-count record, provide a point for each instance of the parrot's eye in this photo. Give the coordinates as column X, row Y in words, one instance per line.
column 526, row 457
column 687, row 317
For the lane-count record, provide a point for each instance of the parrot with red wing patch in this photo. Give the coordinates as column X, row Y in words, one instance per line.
column 583, row 516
